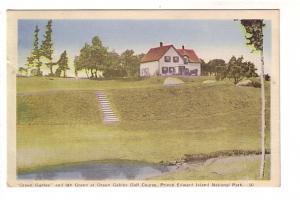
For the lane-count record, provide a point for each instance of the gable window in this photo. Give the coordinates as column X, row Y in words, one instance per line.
column 186, row 60
column 175, row 59
column 167, row 58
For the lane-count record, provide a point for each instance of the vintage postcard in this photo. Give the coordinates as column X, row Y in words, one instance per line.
column 144, row 98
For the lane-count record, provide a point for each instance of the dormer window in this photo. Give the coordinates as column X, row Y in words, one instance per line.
column 167, row 58
column 186, row 59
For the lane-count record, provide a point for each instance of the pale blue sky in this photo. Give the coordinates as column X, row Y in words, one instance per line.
column 209, row 38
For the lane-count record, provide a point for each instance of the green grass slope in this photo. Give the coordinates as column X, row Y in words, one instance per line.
column 38, row 84
column 58, row 108
column 59, row 121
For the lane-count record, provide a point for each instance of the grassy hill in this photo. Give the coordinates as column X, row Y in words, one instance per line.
column 59, row 120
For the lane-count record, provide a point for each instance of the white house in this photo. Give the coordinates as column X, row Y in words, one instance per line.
column 167, row 61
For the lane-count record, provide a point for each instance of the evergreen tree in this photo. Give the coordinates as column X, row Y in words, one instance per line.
column 33, row 61
column 62, row 64
column 47, row 46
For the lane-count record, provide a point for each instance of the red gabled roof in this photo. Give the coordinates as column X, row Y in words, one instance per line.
column 190, row 53
column 155, row 54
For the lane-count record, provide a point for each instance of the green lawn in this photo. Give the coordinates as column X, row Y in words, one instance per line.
column 38, row 84
column 59, row 121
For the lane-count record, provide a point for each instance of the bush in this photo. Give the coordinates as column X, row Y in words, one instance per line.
column 256, row 84
column 267, row 77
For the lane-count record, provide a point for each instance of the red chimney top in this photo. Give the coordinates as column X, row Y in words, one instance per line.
column 161, row 44
column 182, row 46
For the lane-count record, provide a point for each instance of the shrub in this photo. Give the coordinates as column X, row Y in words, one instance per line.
column 267, row 77
column 256, row 84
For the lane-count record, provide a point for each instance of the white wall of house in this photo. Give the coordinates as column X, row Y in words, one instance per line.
column 155, row 67
column 192, row 66
column 171, row 52
column 149, row 68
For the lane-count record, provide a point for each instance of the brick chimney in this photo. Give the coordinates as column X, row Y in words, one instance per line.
column 160, row 44
column 182, row 46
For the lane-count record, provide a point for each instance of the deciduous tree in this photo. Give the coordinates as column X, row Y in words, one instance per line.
column 130, row 62
column 237, row 69
column 113, row 66
column 254, row 36
column 92, row 58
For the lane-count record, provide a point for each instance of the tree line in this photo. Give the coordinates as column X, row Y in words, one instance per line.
column 98, row 62
column 94, row 59
column 236, row 69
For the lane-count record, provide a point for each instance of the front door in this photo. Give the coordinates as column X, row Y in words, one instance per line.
column 181, row 70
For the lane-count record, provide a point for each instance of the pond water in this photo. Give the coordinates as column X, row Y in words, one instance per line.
column 114, row 170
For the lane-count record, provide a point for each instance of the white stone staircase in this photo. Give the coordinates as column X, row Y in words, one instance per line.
column 108, row 115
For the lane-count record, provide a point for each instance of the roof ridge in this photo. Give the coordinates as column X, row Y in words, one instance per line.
column 162, row 46
column 186, row 49
column 156, row 53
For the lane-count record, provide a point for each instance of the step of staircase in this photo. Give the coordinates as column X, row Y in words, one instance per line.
column 108, row 115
